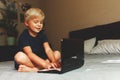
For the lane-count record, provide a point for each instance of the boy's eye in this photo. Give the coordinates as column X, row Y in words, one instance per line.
column 35, row 21
column 38, row 22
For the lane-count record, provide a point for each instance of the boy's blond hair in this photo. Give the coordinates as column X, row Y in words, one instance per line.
column 34, row 13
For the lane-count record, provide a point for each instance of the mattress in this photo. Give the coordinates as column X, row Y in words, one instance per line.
column 96, row 67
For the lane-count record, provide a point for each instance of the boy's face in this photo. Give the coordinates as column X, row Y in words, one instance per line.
column 34, row 25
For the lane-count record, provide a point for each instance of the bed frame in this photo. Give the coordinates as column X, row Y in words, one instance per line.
column 106, row 31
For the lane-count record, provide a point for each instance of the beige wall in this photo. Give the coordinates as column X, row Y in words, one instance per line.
column 63, row 16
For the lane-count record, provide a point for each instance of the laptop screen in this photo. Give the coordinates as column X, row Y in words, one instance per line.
column 72, row 47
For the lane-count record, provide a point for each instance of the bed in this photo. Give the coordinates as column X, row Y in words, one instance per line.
column 94, row 68
column 101, row 50
column 97, row 66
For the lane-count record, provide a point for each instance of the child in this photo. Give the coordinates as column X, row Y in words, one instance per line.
column 35, row 52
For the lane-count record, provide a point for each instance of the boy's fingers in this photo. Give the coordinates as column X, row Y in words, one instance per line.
column 57, row 65
column 53, row 65
column 49, row 67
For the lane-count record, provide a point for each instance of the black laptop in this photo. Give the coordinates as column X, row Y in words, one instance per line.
column 72, row 56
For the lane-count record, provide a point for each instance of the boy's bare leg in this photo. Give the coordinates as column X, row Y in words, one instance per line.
column 24, row 68
column 57, row 55
column 22, row 58
column 25, row 63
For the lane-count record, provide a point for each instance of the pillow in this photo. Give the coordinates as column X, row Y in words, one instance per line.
column 107, row 47
column 89, row 44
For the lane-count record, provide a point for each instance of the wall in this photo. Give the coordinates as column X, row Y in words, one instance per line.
column 63, row 16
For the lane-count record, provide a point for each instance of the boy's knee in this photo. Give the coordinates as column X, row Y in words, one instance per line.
column 20, row 56
column 57, row 54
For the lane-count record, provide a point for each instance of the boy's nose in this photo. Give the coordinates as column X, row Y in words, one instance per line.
column 40, row 25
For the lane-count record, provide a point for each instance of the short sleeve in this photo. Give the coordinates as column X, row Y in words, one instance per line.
column 23, row 40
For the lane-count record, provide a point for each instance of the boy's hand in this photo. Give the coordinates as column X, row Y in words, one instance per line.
column 47, row 65
column 56, row 64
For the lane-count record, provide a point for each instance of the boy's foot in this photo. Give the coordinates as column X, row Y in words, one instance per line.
column 23, row 68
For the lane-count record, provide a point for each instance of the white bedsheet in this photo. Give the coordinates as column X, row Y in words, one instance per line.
column 93, row 69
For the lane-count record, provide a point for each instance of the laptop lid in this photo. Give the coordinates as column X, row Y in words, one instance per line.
column 72, row 47
column 72, row 54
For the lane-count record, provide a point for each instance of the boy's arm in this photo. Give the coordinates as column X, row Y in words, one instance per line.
column 49, row 53
column 36, row 59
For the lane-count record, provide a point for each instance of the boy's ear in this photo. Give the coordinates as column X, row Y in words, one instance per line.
column 26, row 23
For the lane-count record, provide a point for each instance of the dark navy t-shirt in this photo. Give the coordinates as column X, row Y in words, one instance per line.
column 36, row 43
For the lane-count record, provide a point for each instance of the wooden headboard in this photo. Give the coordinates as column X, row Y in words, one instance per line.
column 106, row 31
